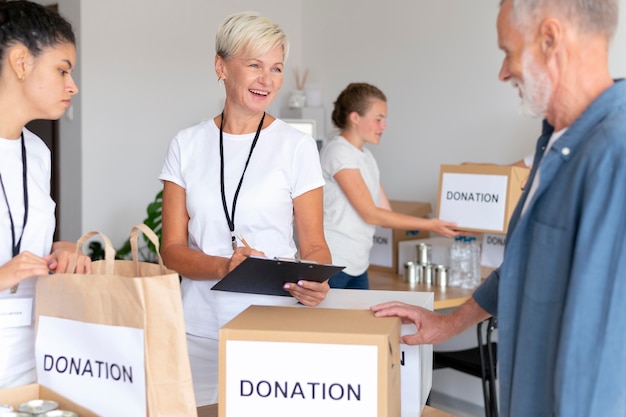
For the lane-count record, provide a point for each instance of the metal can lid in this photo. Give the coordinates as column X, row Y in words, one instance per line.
column 6, row 408
column 38, row 406
column 58, row 413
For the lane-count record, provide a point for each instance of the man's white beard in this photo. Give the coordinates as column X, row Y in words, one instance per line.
column 536, row 89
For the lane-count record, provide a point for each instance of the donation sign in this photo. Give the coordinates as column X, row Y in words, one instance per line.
column 97, row 366
column 303, row 379
column 473, row 201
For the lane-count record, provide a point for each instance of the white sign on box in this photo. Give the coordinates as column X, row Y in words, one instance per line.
column 97, row 366
column 382, row 250
column 317, row 388
column 492, row 252
column 474, row 201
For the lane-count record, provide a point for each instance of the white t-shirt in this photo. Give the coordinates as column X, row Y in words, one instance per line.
column 284, row 165
column 17, row 357
column 348, row 236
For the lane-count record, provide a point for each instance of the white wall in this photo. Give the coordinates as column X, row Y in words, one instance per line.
column 437, row 62
column 146, row 70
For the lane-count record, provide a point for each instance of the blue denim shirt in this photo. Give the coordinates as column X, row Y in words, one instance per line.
column 560, row 292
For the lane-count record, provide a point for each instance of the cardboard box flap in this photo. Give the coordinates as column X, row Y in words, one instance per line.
column 345, row 324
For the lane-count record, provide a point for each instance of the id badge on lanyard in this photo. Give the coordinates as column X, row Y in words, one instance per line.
column 16, row 312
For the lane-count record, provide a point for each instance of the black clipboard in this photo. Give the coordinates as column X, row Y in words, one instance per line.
column 267, row 276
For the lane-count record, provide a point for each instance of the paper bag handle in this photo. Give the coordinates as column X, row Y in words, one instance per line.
column 109, row 251
column 149, row 233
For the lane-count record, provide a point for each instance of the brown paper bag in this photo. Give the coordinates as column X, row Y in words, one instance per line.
column 124, row 295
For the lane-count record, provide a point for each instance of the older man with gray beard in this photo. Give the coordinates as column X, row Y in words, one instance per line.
column 559, row 292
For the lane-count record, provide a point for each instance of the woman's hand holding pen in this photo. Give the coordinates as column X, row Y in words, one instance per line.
column 240, row 254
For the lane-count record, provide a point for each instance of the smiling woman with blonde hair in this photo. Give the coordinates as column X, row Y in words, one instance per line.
column 243, row 173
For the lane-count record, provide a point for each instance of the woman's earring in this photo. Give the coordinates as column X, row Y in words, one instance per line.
column 220, row 82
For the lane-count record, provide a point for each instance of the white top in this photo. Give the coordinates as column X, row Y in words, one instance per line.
column 17, row 357
column 283, row 166
column 349, row 238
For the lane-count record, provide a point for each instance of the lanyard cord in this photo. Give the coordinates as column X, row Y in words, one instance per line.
column 231, row 218
column 16, row 245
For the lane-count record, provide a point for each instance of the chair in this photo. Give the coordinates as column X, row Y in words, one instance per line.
column 480, row 362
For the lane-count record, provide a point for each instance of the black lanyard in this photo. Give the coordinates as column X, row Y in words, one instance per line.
column 231, row 218
column 16, row 245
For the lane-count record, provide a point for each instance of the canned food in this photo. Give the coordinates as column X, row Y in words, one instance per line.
column 427, row 274
column 58, row 413
column 441, row 276
column 424, row 251
column 38, row 406
column 411, row 272
column 6, row 408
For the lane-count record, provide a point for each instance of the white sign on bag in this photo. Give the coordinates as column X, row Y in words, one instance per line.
column 475, row 201
column 97, row 366
column 344, row 383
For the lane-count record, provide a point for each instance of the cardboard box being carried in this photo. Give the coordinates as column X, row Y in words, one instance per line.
column 18, row 395
column 287, row 361
column 384, row 253
column 480, row 198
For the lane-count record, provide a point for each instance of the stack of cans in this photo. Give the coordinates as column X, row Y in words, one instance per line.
column 39, row 408
column 423, row 271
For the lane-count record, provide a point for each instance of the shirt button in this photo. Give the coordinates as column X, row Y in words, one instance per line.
column 565, row 151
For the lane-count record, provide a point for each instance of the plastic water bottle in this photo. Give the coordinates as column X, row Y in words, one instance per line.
column 454, row 272
column 472, row 278
column 477, row 276
column 465, row 262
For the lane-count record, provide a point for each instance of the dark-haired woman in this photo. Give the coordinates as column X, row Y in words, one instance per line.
column 37, row 55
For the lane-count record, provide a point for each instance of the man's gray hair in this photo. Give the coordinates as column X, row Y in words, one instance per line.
column 590, row 16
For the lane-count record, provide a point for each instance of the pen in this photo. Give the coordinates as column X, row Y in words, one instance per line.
column 243, row 240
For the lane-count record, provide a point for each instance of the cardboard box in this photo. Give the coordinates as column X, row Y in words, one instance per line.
column 18, row 395
column 384, row 253
column 480, row 198
column 492, row 253
column 416, row 362
column 286, row 361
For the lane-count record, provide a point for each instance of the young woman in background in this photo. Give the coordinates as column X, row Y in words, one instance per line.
column 354, row 199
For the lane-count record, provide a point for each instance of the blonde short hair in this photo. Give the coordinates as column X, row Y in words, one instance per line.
column 249, row 34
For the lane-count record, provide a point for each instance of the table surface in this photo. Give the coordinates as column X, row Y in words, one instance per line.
column 211, row 411
column 446, row 297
